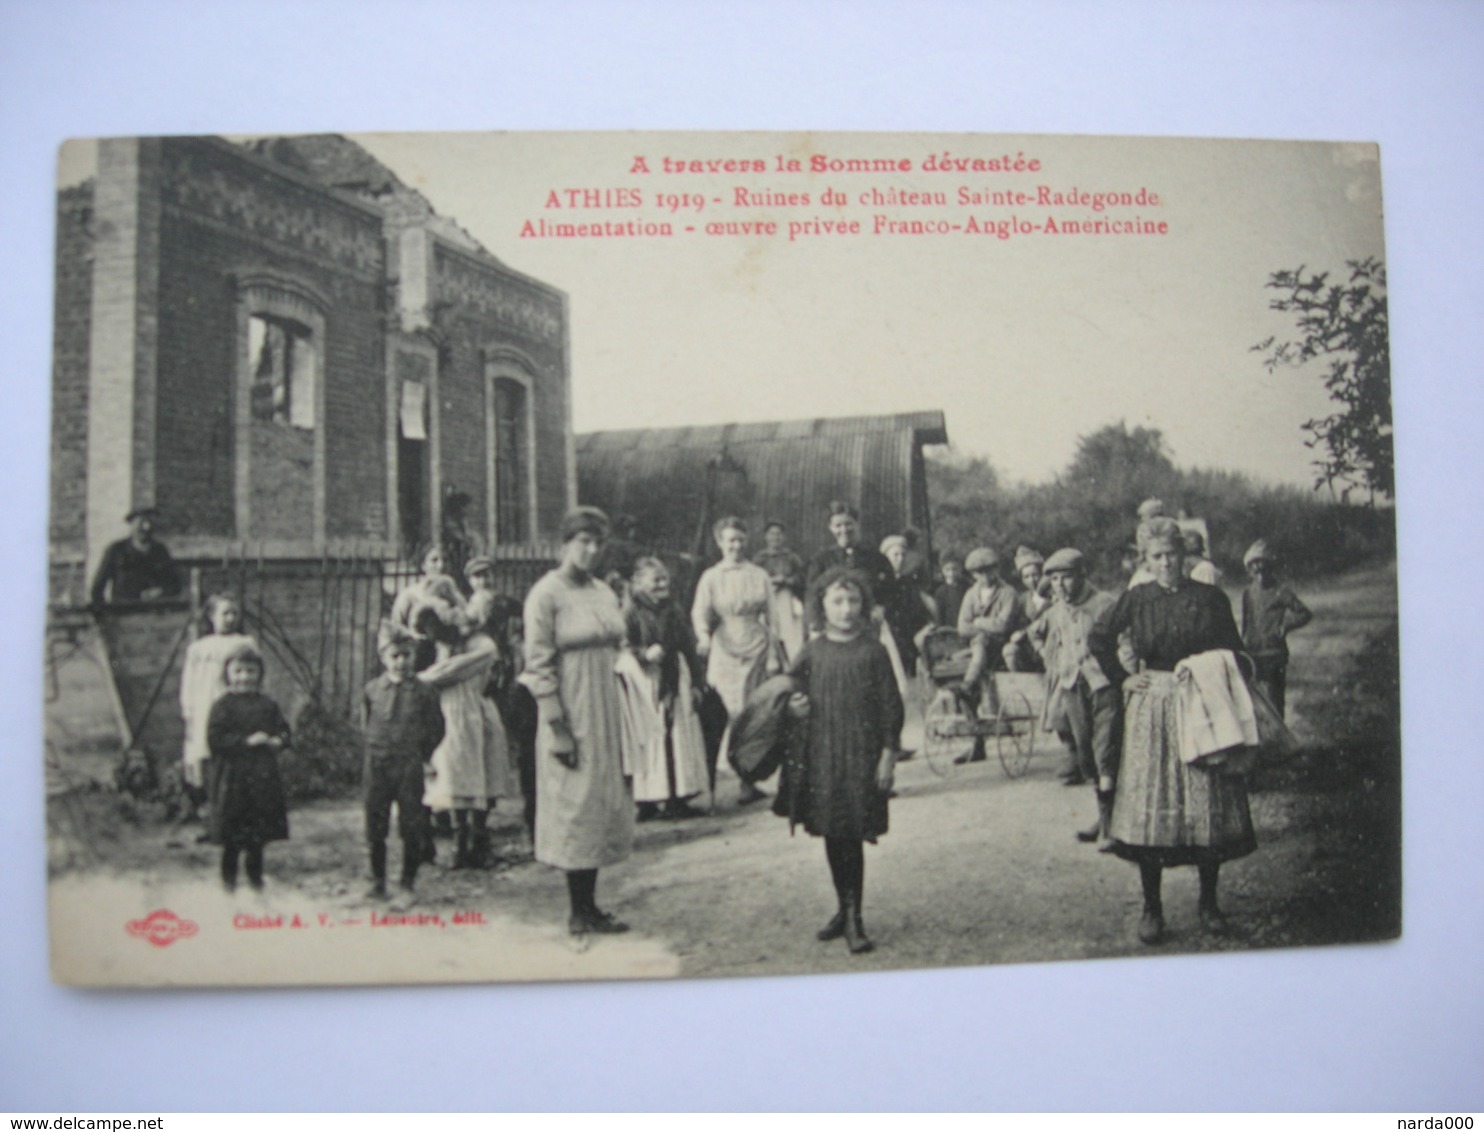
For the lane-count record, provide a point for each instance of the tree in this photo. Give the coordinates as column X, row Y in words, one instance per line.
column 1121, row 466
column 1346, row 325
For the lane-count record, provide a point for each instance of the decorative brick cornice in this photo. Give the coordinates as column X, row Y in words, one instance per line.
column 463, row 281
column 257, row 202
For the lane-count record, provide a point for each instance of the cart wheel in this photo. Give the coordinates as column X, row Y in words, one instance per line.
column 1015, row 733
column 944, row 733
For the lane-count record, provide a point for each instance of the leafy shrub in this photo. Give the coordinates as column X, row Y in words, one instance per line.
column 1092, row 505
column 326, row 758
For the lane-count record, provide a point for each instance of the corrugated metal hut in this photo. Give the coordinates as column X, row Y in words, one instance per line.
column 676, row 481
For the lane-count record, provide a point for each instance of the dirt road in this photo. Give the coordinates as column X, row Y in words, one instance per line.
column 977, row 868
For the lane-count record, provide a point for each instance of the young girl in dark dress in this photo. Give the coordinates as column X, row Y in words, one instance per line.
column 246, row 732
column 837, row 778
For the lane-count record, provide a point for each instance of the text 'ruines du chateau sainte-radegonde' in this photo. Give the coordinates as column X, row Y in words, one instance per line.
column 996, row 196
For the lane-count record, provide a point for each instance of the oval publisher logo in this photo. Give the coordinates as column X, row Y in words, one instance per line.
column 162, row 927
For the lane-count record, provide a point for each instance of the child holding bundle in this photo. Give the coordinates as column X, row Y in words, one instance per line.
column 837, row 780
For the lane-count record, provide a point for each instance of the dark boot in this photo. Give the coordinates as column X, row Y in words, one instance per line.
column 481, row 848
column 1152, row 922
column 836, row 927
column 377, row 891
column 461, row 843
column 1211, row 917
column 1105, row 821
column 1098, row 831
column 976, row 754
column 855, row 930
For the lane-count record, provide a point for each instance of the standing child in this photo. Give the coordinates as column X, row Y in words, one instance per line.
column 1080, row 699
column 471, row 767
column 402, row 725
column 950, row 595
column 203, row 680
column 671, row 769
column 517, row 707
column 246, row 732
column 838, row 779
column 1270, row 611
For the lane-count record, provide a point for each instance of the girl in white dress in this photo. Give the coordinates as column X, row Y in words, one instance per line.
column 202, row 683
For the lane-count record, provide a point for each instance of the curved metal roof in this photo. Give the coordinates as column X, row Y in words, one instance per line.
column 676, row 481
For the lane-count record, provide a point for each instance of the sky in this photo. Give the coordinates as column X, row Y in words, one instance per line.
column 1026, row 344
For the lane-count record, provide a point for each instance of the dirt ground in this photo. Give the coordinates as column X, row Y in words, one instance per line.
column 977, row 868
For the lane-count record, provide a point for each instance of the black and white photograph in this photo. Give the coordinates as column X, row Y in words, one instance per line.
column 495, row 557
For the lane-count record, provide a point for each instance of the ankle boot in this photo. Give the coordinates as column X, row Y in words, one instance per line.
column 1105, row 821
column 1151, row 924
column 1096, row 830
column 855, row 930
column 1213, row 921
column 836, row 927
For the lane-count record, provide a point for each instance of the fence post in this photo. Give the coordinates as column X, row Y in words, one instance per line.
column 195, row 597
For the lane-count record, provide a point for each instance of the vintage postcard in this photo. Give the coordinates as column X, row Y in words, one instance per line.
column 487, row 557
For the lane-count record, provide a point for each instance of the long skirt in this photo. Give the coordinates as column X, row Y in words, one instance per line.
column 1166, row 811
column 673, row 763
column 472, row 764
column 585, row 814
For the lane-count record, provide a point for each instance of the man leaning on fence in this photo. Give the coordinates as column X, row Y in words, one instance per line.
column 137, row 568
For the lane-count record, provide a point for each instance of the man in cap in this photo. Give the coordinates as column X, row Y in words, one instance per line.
column 137, row 568
column 988, row 615
column 1033, row 599
column 1078, row 692
column 1270, row 611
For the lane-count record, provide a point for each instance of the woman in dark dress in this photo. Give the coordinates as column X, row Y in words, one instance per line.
column 905, row 607
column 838, row 773
column 246, row 732
column 1166, row 812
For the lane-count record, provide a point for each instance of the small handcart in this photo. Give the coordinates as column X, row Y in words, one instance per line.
column 958, row 723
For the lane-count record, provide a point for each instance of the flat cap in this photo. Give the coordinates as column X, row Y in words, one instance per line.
column 1066, row 560
column 981, row 558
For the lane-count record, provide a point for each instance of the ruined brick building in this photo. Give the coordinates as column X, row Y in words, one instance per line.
column 287, row 351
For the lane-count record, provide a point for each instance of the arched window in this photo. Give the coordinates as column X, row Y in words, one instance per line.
column 510, row 437
column 282, row 356
column 280, row 437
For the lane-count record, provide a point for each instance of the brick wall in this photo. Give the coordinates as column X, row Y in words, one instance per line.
column 72, row 311
column 486, row 307
column 251, row 222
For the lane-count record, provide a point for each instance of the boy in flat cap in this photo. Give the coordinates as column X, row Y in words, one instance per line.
column 402, row 723
column 1077, row 689
column 988, row 616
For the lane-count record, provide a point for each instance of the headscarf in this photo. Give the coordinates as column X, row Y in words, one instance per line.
column 1258, row 549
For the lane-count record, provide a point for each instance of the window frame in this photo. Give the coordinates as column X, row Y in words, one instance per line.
column 286, row 300
column 505, row 365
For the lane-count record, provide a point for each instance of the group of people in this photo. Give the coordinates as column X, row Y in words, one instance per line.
column 1123, row 671
column 603, row 702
